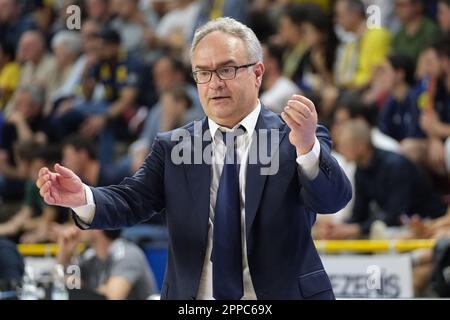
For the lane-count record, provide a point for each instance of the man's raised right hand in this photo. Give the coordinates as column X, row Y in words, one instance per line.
column 61, row 187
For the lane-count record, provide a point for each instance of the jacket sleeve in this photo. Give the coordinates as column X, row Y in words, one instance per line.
column 331, row 190
column 135, row 199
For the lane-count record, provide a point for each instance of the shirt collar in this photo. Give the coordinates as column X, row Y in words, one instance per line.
column 249, row 122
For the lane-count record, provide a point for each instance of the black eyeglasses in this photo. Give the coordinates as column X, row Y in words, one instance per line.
column 224, row 73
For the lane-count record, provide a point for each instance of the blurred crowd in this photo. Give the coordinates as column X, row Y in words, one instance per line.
column 95, row 97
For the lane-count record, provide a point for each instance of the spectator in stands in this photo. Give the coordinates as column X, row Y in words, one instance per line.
column 66, row 46
column 321, row 41
column 99, row 10
column 176, row 27
column 175, row 103
column 416, row 32
column 9, row 74
column 133, row 26
column 168, row 72
column 319, row 59
column 351, row 106
column 291, row 34
column 13, row 174
column 71, row 93
column 436, row 123
column 79, row 154
column 25, row 120
column 394, row 184
column 213, row 9
column 263, row 16
column 120, row 75
column 38, row 67
column 89, row 29
column 435, row 111
column 12, row 23
column 357, row 57
column 42, row 14
column 277, row 88
column 30, row 224
column 443, row 16
column 114, row 267
column 159, row 7
column 12, row 266
column 399, row 115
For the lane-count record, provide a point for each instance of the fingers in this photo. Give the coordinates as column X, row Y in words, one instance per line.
column 305, row 101
column 301, row 110
column 295, row 119
column 43, row 177
column 43, row 171
column 63, row 171
column 299, row 114
column 45, row 192
column 289, row 121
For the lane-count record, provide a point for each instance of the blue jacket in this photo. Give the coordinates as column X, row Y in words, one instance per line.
column 398, row 187
column 280, row 211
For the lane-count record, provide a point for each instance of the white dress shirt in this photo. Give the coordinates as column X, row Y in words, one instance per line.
column 309, row 164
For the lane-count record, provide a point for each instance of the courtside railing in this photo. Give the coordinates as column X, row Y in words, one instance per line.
column 323, row 246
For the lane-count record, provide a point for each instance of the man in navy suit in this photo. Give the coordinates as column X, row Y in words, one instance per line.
column 236, row 231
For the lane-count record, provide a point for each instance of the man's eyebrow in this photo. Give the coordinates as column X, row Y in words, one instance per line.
column 231, row 61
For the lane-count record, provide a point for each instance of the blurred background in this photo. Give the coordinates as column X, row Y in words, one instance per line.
column 90, row 83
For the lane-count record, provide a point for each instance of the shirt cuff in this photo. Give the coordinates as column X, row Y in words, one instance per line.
column 309, row 163
column 86, row 212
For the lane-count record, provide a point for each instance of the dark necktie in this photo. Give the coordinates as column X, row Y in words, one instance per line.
column 227, row 249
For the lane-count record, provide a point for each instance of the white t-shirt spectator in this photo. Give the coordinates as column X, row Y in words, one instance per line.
column 125, row 259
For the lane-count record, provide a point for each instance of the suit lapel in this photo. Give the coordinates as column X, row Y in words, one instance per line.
column 198, row 177
column 255, row 180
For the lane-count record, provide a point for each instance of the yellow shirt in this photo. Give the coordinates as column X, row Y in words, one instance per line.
column 357, row 59
column 9, row 80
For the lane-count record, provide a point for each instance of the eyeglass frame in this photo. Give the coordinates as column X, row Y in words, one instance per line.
column 236, row 68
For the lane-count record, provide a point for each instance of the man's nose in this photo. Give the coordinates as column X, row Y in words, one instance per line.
column 216, row 82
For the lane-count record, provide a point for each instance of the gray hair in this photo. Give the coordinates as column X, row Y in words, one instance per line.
column 70, row 41
column 234, row 28
column 37, row 94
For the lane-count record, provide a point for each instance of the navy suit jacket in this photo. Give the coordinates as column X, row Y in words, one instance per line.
column 280, row 210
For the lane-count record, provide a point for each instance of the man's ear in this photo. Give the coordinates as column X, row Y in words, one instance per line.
column 259, row 69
